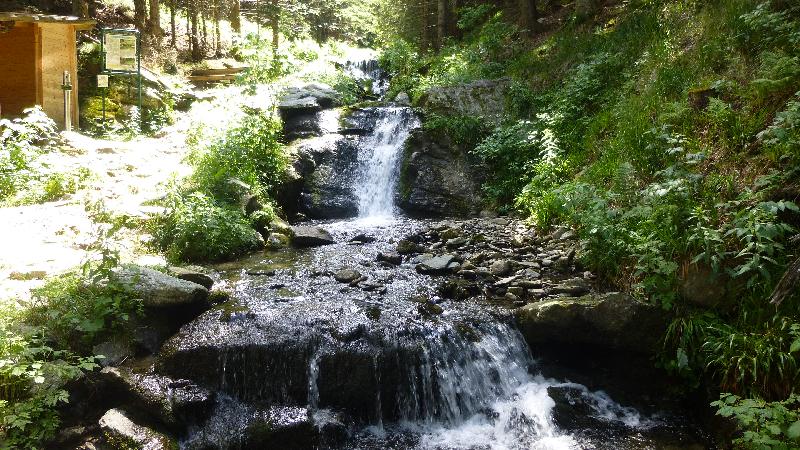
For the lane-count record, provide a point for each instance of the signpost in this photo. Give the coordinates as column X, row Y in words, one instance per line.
column 121, row 52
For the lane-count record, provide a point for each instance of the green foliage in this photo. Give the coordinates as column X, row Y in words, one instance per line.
column 78, row 308
column 759, row 359
column 22, row 142
column 32, row 376
column 524, row 157
column 197, row 228
column 466, row 131
column 767, row 425
column 248, row 151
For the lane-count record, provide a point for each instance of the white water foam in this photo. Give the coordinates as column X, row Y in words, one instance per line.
column 380, row 158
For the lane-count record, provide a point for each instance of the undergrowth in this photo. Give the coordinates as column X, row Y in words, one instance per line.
column 667, row 133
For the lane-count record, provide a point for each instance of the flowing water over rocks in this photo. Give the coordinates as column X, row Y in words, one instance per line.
column 394, row 332
column 381, row 360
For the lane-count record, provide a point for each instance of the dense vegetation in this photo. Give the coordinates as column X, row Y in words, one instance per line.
column 666, row 133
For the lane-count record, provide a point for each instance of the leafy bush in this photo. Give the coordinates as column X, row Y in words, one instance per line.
column 32, row 376
column 767, row 425
column 196, row 228
column 22, row 141
column 520, row 154
column 249, row 151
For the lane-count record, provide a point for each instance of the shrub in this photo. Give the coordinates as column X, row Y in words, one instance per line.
column 32, row 376
column 22, row 141
column 197, row 228
column 767, row 425
column 249, row 151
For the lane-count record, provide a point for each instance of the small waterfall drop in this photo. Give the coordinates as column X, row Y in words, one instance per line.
column 380, row 155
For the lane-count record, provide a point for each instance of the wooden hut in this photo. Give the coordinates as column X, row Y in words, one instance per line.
column 35, row 52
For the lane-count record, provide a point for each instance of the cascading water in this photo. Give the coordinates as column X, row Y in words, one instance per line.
column 379, row 158
column 301, row 347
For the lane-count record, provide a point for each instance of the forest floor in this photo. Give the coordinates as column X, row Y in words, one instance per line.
column 45, row 239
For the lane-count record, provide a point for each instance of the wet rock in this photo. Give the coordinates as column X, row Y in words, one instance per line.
column 403, row 99
column 362, row 239
column 458, row 289
column 430, row 309
column 500, row 268
column 327, row 168
column 439, row 177
column 346, row 275
column 277, row 241
column 158, row 290
column 311, row 236
column 284, row 427
column 407, row 247
column 456, row 242
column 574, row 287
column 121, row 432
column 481, row 98
column 114, row 351
column 310, row 97
column 240, row 426
column 614, row 321
column 174, row 403
column 195, row 276
column 392, row 258
column 438, row 265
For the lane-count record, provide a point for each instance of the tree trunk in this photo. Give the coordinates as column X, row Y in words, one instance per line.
column 236, row 22
column 217, row 33
column 155, row 18
column 275, row 25
column 454, row 30
column 80, row 8
column 443, row 19
column 529, row 15
column 197, row 53
column 139, row 14
column 586, row 8
column 172, row 28
column 425, row 40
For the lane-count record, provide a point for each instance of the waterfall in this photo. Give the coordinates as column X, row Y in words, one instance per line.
column 380, row 155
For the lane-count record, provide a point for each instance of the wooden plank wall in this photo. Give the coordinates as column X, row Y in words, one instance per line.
column 18, row 74
column 59, row 54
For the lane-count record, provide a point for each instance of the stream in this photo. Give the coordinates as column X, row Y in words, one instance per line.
column 357, row 353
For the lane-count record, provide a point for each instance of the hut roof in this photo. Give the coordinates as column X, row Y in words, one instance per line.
column 80, row 24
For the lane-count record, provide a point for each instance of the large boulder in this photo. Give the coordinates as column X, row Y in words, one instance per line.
column 301, row 109
column 174, row 403
column 159, row 290
column 324, row 169
column 483, row 98
column 120, row 431
column 438, row 178
column 241, row 426
column 615, row 321
column 307, row 236
column 311, row 96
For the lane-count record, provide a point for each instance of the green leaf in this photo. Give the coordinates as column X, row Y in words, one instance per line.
column 795, row 346
column 794, row 430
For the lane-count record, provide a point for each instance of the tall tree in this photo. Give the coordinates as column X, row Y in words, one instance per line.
column 139, row 14
column 154, row 25
column 274, row 23
column 442, row 21
column 529, row 15
column 235, row 16
column 172, row 27
column 80, row 8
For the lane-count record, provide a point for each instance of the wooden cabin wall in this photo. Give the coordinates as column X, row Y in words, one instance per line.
column 19, row 87
column 59, row 54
